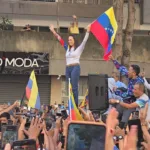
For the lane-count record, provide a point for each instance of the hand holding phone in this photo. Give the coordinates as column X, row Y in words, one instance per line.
column 9, row 134
column 85, row 135
column 24, row 145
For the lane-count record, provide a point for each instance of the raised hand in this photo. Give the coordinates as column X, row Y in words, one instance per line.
column 35, row 128
column 142, row 74
column 130, row 142
column 112, row 120
column 74, row 17
column 89, row 28
column 111, row 57
column 51, row 27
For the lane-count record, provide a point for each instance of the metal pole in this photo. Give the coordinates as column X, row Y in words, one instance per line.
column 57, row 15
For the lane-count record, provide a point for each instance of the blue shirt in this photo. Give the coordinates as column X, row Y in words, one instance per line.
column 124, row 72
column 120, row 84
column 115, row 148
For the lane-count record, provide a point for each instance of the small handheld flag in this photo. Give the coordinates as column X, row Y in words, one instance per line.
column 32, row 93
column 85, row 100
column 104, row 28
column 73, row 110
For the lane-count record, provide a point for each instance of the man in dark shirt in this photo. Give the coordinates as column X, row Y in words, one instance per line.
column 132, row 74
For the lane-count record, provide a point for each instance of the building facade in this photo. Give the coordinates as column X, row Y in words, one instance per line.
column 40, row 15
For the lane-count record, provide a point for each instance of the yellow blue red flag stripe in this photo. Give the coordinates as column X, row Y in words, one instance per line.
column 104, row 29
column 32, row 93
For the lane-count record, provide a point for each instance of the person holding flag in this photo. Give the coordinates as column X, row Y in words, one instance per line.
column 104, row 28
column 73, row 53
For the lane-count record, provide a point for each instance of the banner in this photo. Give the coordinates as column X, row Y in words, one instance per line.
column 24, row 63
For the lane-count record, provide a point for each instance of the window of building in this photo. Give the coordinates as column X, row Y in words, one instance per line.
column 44, row 29
column 136, row 1
column 65, row 30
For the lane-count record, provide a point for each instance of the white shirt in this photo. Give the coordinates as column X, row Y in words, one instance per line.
column 141, row 101
column 147, row 85
column 73, row 55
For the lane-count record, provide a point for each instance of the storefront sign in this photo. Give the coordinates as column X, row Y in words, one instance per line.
column 23, row 63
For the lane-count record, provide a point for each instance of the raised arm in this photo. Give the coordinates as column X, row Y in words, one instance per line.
column 123, row 70
column 75, row 20
column 147, row 85
column 81, row 47
column 62, row 42
column 16, row 104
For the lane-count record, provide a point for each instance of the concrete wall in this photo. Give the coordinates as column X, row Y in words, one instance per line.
column 91, row 59
column 46, row 13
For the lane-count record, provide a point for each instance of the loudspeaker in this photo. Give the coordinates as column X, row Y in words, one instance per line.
column 98, row 92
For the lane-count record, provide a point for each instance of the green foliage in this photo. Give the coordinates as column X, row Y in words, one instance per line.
column 5, row 23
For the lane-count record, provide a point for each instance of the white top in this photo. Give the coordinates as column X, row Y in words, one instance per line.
column 147, row 85
column 73, row 55
column 141, row 101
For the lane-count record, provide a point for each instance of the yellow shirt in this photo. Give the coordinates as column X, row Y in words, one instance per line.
column 74, row 30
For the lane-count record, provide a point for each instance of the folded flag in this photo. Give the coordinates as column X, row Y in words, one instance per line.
column 74, row 113
column 32, row 93
column 85, row 100
column 104, row 29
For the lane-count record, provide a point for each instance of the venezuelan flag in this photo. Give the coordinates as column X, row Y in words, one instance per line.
column 85, row 100
column 32, row 93
column 73, row 110
column 104, row 29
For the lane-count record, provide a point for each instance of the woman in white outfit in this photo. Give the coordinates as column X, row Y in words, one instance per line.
column 73, row 53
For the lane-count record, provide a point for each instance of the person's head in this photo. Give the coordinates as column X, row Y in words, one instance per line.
column 48, row 108
column 116, row 76
column 62, row 102
column 72, row 41
column 134, row 71
column 28, row 26
column 4, row 117
column 111, row 83
column 139, row 89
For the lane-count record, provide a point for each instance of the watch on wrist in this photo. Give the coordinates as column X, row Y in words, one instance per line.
column 118, row 101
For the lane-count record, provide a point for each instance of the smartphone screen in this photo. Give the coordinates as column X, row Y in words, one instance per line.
column 135, row 115
column 24, row 145
column 96, row 115
column 85, row 137
column 9, row 134
column 64, row 114
column 10, row 122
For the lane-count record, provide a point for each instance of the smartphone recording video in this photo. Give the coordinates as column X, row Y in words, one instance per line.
column 135, row 115
column 24, row 145
column 85, row 136
column 9, row 134
column 64, row 114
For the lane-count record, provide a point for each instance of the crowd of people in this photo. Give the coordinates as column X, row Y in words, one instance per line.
column 126, row 120
column 124, row 125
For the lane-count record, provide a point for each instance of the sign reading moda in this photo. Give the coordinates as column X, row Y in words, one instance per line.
column 19, row 62
column 24, row 63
